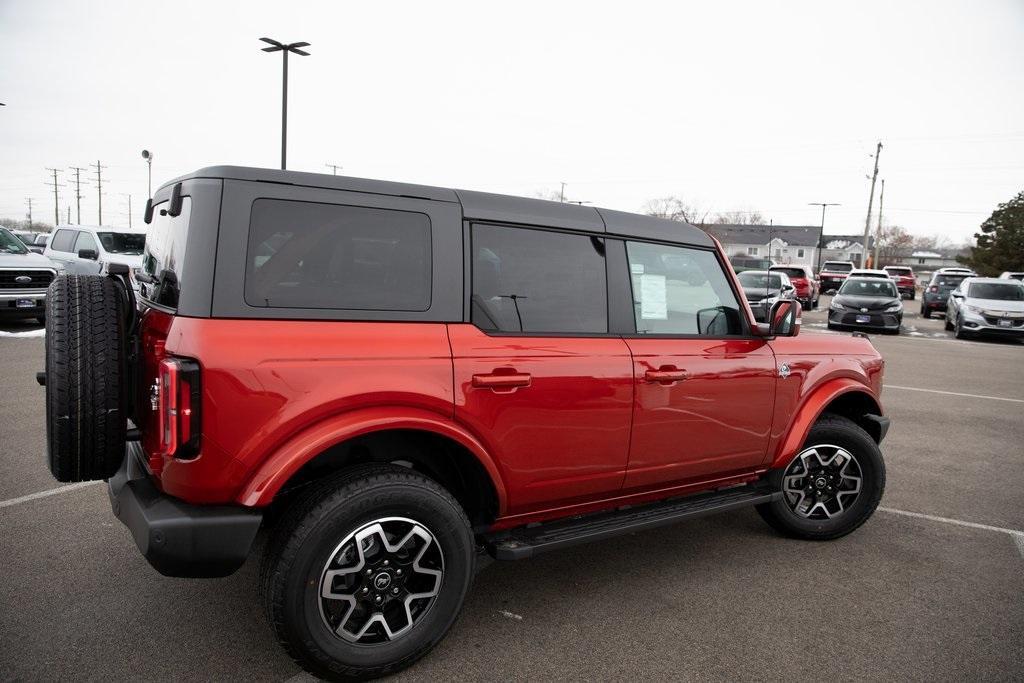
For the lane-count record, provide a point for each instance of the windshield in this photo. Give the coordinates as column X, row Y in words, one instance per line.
column 837, row 267
column 898, row 271
column 1000, row 291
column 122, row 242
column 791, row 272
column 756, row 280
column 868, row 287
column 9, row 244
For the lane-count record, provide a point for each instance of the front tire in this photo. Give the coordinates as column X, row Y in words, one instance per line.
column 926, row 312
column 366, row 573
column 958, row 329
column 832, row 486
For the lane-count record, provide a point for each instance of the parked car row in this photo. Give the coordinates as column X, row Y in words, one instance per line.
column 29, row 261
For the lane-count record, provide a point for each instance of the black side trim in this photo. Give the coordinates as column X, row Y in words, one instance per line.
column 177, row 538
column 882, row 422
column 522, row 543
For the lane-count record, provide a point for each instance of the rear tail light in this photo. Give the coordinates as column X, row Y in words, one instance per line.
column 178, row 408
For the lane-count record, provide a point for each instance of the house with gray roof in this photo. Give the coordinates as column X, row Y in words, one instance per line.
column 783, row 244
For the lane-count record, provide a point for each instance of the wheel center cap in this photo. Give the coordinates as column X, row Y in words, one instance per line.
column 382, row 581
column 820, row 482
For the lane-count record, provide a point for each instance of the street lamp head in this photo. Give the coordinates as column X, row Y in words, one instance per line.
column 276, row 46
column 147, row 155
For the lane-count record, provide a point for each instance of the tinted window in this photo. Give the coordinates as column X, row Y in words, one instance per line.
column 122, row 242
column 306, row 255
column 837, row 267
column 760, row 280
column 791, row 272
column 681, row 291
column 949, row 280
column 992, row 290
column 538, row 281
column 164, row 253
column 85, row 241
column 899, row 271
column 63, row 240
column 41, row 240
column 9, row 244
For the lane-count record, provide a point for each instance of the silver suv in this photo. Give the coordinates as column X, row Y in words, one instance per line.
column 986, row 305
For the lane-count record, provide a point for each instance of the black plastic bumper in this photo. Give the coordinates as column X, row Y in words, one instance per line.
column 883, row 425
column 177, row 538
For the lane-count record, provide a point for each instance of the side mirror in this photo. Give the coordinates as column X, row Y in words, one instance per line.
column 174, row 206
column 90, row 254
column 148, row 216
column 956, row 295
column 785, row 318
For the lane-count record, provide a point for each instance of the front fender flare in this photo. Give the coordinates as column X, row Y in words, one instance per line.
column 809, row 412
column 276, row 470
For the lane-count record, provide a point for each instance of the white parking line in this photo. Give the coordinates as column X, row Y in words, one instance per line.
column 956, row 393
column 1016, row 534
column 46, row 493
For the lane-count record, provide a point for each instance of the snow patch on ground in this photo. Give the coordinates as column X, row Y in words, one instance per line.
column 27, row 334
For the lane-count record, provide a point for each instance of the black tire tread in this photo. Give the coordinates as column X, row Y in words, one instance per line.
column 304, row 513
column 770, row 515
column 85, row 418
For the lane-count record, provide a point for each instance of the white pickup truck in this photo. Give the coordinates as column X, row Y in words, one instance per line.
column 24, row 278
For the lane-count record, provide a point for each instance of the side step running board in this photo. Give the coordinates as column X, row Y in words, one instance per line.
column 519, row 544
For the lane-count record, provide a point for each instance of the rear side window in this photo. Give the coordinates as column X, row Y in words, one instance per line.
column 164, row 253
column 681, row 291
column 63, row 240
column 309, row 255
column 538, row 281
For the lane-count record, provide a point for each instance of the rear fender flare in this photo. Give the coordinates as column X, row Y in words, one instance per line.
column 809, row 412
column 286, row 460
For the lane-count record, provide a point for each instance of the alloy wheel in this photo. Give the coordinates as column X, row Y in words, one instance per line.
column 380, row 581
column 822, row 482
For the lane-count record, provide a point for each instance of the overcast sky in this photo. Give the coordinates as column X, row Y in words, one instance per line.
column 730, row 105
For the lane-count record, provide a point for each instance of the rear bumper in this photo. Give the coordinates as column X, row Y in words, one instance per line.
column 177, row 538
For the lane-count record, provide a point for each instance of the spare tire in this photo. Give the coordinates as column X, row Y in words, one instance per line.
column 85, row 392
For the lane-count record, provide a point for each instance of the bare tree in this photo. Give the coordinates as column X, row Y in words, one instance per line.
column 550, row 195
column 751, row 217
column 675, row 209
column 893, row 243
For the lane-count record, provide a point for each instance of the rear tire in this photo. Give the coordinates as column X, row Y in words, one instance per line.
column 314, row 548
column 830, row 433
column 926, row 312
column 85, row 397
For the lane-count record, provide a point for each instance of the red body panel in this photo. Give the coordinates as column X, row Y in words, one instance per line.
column 564, row 438
column 715, row 421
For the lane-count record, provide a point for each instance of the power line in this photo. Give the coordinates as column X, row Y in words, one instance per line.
column 56, row 197
column 78, row 192
column 99, row 188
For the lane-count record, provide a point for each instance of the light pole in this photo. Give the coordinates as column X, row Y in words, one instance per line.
column 148, row 156
column 284, row 49
column 821, row 234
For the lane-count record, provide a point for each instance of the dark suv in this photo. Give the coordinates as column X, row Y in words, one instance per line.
column 398, row 382
column 936, row 293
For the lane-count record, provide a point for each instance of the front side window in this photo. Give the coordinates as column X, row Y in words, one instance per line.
column 309, row 255
column 535, row 281
column 85, row 241
column 64, row 240
column 681, row 291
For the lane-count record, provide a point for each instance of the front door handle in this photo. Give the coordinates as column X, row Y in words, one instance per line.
column 667, row 374
column 502, row 381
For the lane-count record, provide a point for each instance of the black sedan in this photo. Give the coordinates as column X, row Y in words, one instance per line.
column 869, row 303
column 763, row 289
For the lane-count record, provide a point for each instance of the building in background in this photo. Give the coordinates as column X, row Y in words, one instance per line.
column 782, row 244
column 845, row 248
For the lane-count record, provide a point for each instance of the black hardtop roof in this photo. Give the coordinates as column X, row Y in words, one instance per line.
column 479, row 205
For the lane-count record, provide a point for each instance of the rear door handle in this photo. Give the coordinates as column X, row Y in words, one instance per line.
column 499, row 381
column 665, row 375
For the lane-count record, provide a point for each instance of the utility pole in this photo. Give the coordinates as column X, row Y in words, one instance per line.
column 99, row 188
column 56, row 198
column 561, row 194
column 871, row 200
column 29, row 200
column 69, row 214
column 129, row 210
column 333, row 167
column 275, row 46
column 78, row 193
column 878, row 231
column 821, row 233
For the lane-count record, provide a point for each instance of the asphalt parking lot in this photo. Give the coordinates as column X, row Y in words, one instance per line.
column 931, row 588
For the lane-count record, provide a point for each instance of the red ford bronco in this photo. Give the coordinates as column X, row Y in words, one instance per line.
column 399, row 383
